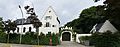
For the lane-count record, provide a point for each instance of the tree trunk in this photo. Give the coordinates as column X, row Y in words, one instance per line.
column 37, row 30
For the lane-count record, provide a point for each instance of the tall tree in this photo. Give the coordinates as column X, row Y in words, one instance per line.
column 112, row 9
column 33, row 19
column 87, row 19
column 1, row 25
column 9, row 26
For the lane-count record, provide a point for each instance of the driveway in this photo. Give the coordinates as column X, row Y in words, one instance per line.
column 63, row 44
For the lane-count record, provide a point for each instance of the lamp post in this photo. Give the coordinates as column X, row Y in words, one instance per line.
column 22, row 25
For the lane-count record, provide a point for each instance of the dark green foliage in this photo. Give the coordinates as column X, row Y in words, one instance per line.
column 3, row 37
column 30, row 38
column 87, row 19
column 14, row 38
column 27, row 38
column 54, row 39
column 44, row 40
column 10, row 26
column 1, row 25
column 106, row 39
column 112, row 11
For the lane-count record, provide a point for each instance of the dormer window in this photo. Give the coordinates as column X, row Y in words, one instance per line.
column 48, row 17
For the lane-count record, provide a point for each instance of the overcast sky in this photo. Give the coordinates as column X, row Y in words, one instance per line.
column 66, row 10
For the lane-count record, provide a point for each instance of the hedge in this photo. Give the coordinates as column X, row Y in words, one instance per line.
column 30, row 38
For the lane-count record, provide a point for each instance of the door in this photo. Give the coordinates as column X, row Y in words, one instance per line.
column 66, row 36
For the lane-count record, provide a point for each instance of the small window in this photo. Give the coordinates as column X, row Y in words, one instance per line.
column 47, row 24
column 18, row 29
column 29, row 29
column 24, row 29
column 53, row 25
column 48, row 17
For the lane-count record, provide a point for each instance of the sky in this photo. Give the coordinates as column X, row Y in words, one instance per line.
column 66, row 10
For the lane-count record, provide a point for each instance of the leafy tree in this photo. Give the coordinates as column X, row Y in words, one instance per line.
column 33, row 19
column 1, row 25
column 87, row 19
column 9, row 26
column 13, row 26
column 112, row 8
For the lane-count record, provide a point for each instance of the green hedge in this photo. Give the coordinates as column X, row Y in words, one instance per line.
column 30, row 38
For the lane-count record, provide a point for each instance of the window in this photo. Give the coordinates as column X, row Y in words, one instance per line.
column 24, row 29
column 47, row 24
column 18, row 29
column 53, row 25
column 29, row 29
column 48, row 17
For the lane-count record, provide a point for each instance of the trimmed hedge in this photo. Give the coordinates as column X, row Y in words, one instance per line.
column 30, row 38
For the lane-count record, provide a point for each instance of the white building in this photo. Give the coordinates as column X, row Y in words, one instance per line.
column 103, row 27
column 50, row 23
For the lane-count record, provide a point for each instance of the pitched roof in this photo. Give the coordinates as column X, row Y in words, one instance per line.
column 98, row 26
column 25, row 21
column 50, row 9
column 101, row 27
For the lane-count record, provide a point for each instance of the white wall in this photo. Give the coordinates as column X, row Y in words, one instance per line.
column 27, row 28
column 107, row 26
column 52, row 21
column 79, row 35
column 43, row 29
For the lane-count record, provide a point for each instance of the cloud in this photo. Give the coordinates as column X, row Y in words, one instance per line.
column 66, row 10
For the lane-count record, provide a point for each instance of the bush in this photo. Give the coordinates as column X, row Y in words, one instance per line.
column 14, row 38
column 30, row 38
column 3, row 37
column 84, row 39
column 107, row 39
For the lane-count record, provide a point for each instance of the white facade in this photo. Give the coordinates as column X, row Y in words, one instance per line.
column 105, row 27
column 27, row 26
column 50, row 23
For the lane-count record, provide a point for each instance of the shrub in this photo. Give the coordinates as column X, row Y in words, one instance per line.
column 30, row 38
column 3, row 37
column 107, row 39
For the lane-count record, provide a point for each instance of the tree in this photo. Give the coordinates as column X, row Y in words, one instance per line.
column 33, row 19
column 9, row 26
column 87, row 19
column 1, row 25
column 112, row 8
column 13, row 26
